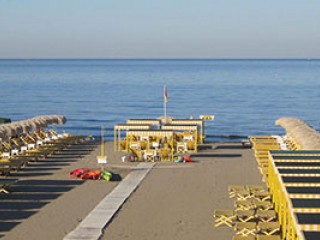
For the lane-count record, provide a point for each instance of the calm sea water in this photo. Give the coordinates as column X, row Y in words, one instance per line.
column 246, row 96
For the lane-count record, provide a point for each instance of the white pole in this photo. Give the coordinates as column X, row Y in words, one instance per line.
column 165, row 103
column 102, row 142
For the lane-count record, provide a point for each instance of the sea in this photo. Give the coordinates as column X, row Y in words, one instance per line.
column 246, row 96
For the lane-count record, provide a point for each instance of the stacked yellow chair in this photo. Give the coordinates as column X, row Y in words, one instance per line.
column 261, row 146
column 253, row 216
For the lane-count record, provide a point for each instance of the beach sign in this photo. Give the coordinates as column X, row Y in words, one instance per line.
column 102, row 159
column 207, row 117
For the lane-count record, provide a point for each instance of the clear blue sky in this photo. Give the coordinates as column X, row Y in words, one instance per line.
column 159, row 29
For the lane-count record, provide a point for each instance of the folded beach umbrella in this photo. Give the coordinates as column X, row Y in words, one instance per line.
column 307, row 141
column 55, row 120
column 8, row 130
column 310, row 142
column 26, row 127
column 34, row 125
column 288, row 123
column 2, row 134
column 300, row 132
column 61, row 119
column 41, row 122
column 306, row 136
column 17, row 127
column 2, row 126
column 49, row 119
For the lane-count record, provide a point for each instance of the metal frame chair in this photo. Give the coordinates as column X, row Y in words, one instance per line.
column 245, row 228
column 224, row 217
column 233, row 189
column 268, row 228
column 266, row 215
column 238, row 237
column 244, row 205
column 245, row 215
column 268, row 237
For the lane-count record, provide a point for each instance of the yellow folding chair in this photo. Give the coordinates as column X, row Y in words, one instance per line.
column 246, row 228
column 244, row 205
column 233, row 189
column 268, row 237
column 245, row 215
column 256, row 188
column 224, row 217
column 238, row 237
column 262, row 196
column 268, row 228
column 266, row 215
column 181, row 147
column 242, row 194
column 263, row 205
column 164, row 154
column 150, row 155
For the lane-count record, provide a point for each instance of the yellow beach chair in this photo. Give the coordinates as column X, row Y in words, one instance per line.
column 244, row 205
column 268, row 228
column 234, row 189
column 266, row 215
column 246, row 215
column 268, row 237
column 246, row 228
column 238, row 237
column 224, row 217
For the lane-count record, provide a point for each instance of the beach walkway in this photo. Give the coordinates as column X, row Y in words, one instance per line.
column 178, row 203
column 174, row 201
column 91, row 227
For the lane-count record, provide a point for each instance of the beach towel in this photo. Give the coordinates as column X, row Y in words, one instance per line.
column 93, row 175
column 77, row 173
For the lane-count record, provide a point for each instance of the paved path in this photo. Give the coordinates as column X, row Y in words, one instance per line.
column 91, row 227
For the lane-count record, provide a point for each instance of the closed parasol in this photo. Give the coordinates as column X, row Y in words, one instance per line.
column 306, row 136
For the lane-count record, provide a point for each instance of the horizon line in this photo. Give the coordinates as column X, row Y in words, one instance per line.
column 167, row 59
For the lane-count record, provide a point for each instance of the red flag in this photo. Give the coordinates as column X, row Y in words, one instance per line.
column 165, row 94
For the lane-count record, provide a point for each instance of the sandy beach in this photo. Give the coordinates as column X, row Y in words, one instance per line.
column 174, row 201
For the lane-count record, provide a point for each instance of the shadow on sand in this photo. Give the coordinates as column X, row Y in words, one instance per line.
column 27, row 197
column 229, row 147
column 116, row 177
column 215, row 155
column 205, row 147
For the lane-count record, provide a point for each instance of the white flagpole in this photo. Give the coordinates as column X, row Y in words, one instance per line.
column 165, row 103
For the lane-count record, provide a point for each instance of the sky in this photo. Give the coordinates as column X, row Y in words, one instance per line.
column 159, row 29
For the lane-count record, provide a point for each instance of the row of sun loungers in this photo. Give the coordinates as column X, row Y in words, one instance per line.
column 294, row 183
column 262, row 145
column 78, row 145
column 253, row 216
column 13, row 162
column 293, row 178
